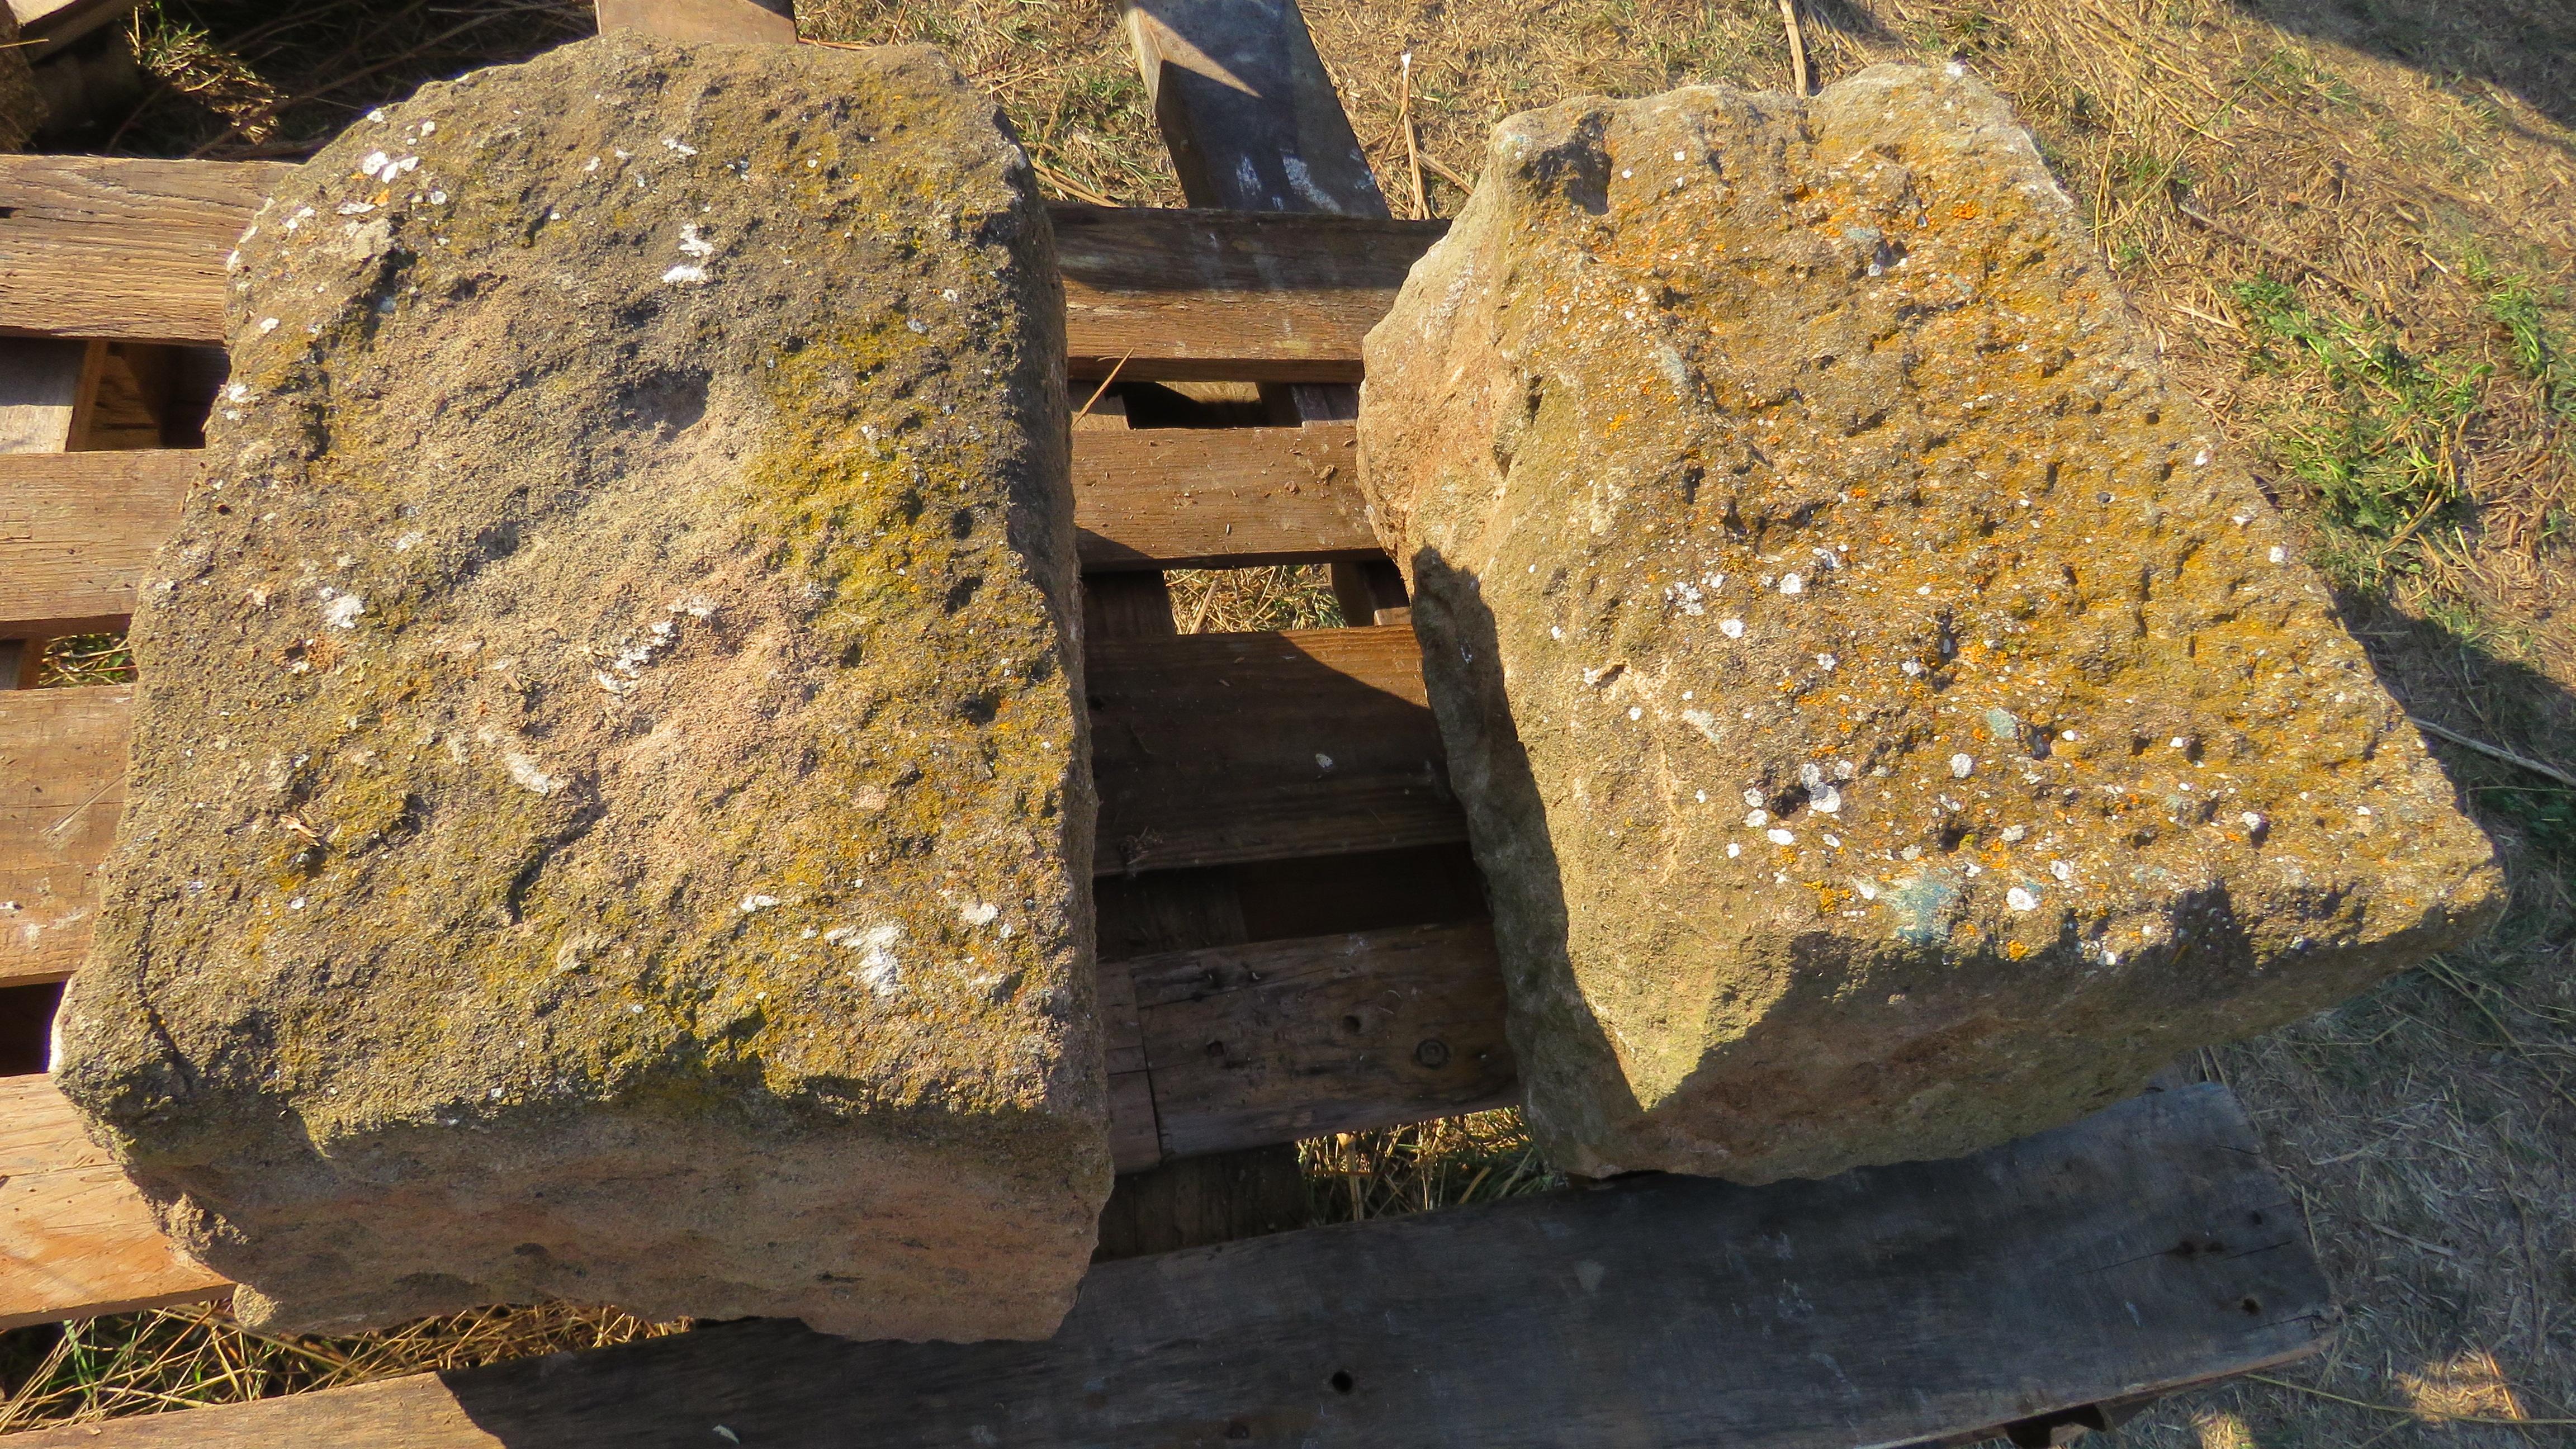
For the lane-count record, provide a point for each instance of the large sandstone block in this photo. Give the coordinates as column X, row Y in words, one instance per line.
column 1889, row 718
column 609, row 815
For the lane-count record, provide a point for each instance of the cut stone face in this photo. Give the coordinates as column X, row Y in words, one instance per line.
column 1890, row 720
column 609, row 815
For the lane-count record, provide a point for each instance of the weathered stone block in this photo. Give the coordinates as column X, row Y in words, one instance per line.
column 1890, row 719
column 610, row 814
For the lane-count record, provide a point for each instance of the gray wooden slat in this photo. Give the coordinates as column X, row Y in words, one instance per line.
column 2142, row 1249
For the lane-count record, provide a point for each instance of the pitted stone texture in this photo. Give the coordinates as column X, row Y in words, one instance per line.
column 1890, row 721
column 609, row 814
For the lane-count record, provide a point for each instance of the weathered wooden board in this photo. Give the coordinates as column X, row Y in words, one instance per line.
column 62, row 785
column 73, row 1232
column 1218, row 497
column 737, row 22
column 1278, row 1040
column 105, row 247
column 1223, row 747
column 2143, row 1248
column 1247, row 109
column 77, row 529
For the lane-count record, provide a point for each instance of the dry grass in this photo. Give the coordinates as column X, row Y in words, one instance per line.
column 188, row 1358
column 2352, row 227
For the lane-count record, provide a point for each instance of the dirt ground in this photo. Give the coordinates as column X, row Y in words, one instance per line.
column 2352, row 223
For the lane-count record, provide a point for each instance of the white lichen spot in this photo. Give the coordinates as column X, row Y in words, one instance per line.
column 1323, row 761
column 2014, row 833
column 2020, row 899
column 409, row 541
column 685, row 276
column 981, row 913
column 529, row 776
column 2061, row 870
column 695, row 245
column 343, row 612
column 356, row 208
column 1731, row 628
column 1829, row 800
column 374, row 162
column 1636, row 712
column 439, row 198
column 1778, row 836
column 678, row 147
column 1826, row 662
column 754, row 903
column 1961, row 767
column 267, row 324
column 2280, row 554
column 2251, row 821
column 1733, row 850
column 1792, row 584
column 1911, row 668
column 1756, row 819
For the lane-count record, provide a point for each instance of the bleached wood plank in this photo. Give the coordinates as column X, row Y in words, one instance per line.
column 73, row 1231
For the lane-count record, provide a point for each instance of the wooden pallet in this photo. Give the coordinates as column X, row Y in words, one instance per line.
column 1289, row 947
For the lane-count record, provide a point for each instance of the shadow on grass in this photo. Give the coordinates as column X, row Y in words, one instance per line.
column 2526, row 47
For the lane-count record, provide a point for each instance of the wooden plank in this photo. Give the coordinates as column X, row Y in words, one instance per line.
column 1278, row 1040
column 1217, row 497
column 1246, row 107
column 726, row 21
column 62, row 784
column 124, row 249
column 1213, row 748
column 2142, row 1249
column 72, row 1229
column 77, row 530
column 1227, row 295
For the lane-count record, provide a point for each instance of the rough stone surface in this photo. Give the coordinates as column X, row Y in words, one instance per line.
column 610, row 814
column 1890, row 720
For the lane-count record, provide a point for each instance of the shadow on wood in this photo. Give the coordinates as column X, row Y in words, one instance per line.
column 2141, row 1249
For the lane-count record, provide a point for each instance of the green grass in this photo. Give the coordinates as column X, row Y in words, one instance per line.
column 2380, row 442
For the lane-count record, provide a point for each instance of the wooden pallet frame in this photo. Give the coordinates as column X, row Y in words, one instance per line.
column 1287, row 949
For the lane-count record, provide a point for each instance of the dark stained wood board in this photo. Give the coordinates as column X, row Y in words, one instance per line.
column 78, row 529
column 133, row 250
column 1213, row 748
column 1380, row 1023
column 2141, row 1249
